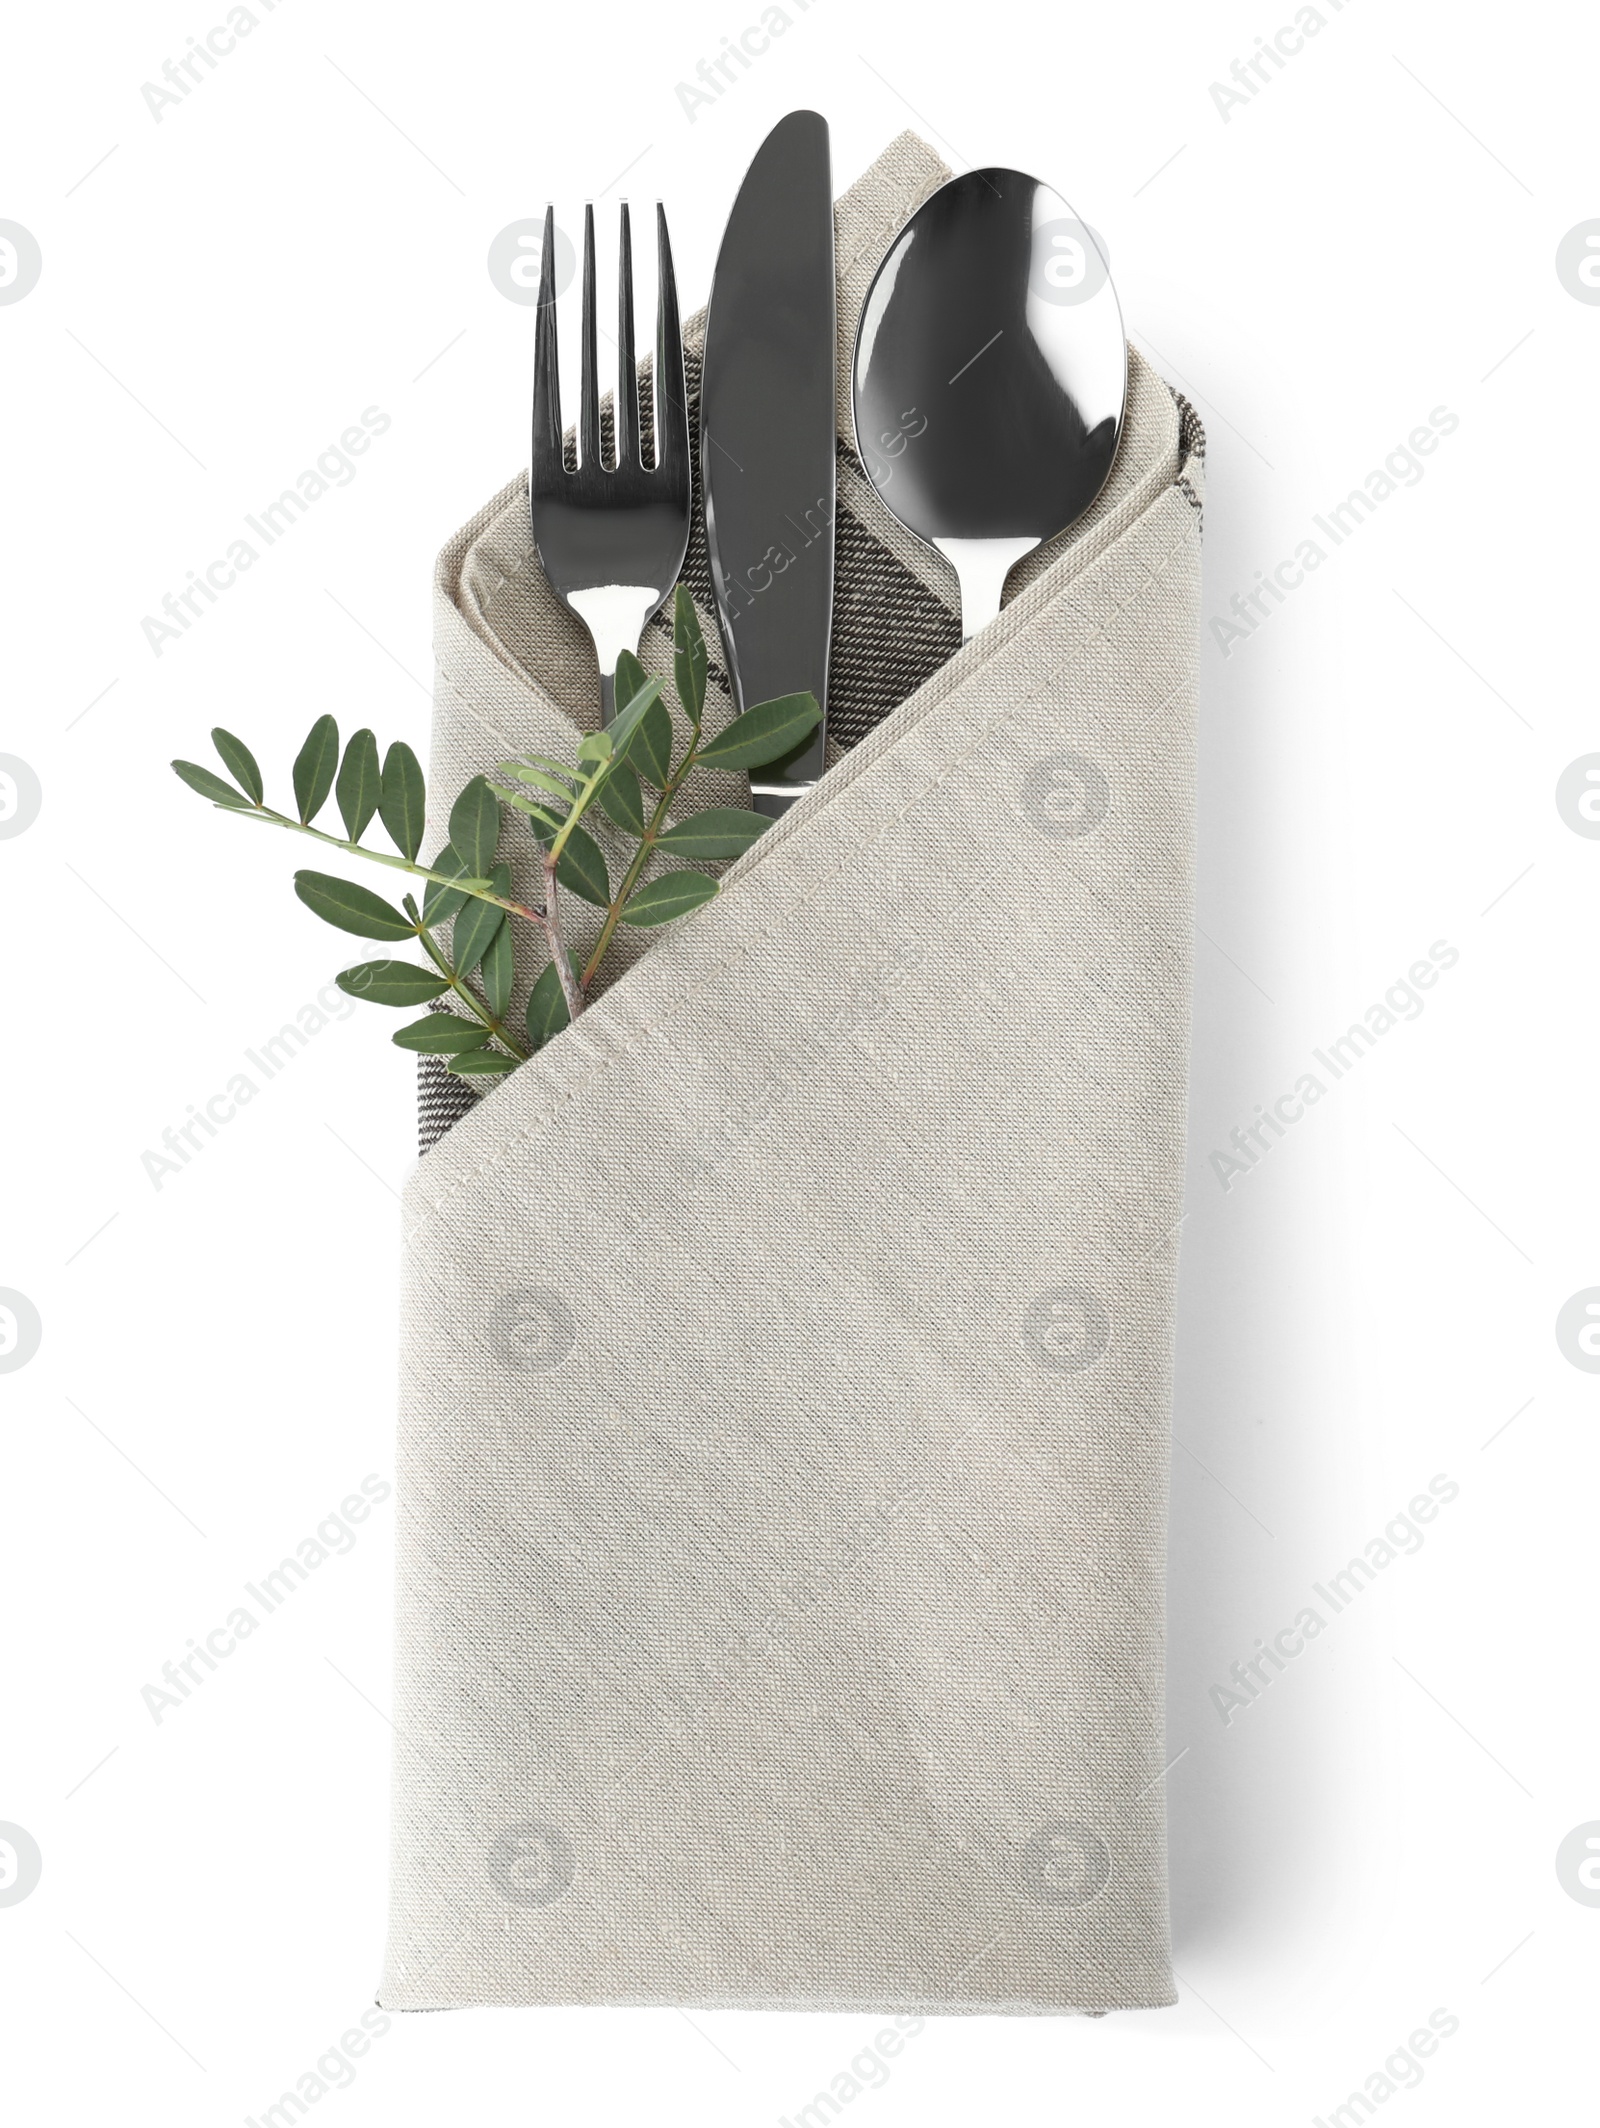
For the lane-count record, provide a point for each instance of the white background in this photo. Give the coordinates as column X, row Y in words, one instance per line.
column 1369, row 236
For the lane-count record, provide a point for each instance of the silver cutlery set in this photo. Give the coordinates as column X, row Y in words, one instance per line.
column 989, row 383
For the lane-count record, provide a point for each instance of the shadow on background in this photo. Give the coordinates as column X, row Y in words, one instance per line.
column 1259, row 1480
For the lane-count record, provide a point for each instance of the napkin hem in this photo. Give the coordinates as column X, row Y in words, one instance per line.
column 589, row 1033
column 812, row 2006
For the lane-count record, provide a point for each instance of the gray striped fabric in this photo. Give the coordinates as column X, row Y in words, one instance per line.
column 786, row 1361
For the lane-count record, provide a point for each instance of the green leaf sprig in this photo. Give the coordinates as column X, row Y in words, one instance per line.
column 628, row 770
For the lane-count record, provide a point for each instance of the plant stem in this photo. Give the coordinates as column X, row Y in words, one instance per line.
column 479, row 890
column 548, row 918
column 647, row 843
column 571, row 987
column 558, row 945
column 580, row 805
column 469, row 996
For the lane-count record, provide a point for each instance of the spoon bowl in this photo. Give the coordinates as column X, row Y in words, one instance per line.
column 990, row 376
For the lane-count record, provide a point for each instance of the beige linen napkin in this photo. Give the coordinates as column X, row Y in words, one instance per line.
column 786, row 1369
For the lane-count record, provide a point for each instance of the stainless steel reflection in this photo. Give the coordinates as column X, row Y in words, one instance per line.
column 611, row 539
column 990, row 376
column 768, row 437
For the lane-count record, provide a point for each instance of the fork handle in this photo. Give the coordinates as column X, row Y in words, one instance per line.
column 615, row 616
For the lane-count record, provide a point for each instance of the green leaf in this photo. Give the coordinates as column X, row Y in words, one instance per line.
column 724, row 831
column 403, row 799
column 316, row 765
column 541, row 780
column 581, row 868
column 440, row 903
column 520, row 768
column 441, row 1034
column 475, row 827
column 546, row 820
column 496, row 972
column 629, row 717
column 688, row 656
column 474, row 933
column 643, row 729
column 622, row 800
column 482, row 1064
column 350, row 908
column 651, row 751
column 547, row 1007
column 595, row 746
column 359, row 781
column 240, row 763
column 392, row 983
column 765, row 733
column 630, row 680
column 477, row 924
column 673, row 894
column 210, row 785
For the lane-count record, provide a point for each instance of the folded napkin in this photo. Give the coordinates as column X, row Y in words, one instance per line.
column 786, row 1368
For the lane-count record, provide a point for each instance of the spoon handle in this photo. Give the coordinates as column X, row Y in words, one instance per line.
column 982, row 566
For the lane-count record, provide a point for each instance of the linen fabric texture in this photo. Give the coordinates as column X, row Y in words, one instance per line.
column 786, row 1366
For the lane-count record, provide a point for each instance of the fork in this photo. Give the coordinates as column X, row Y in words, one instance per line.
column 611, row 539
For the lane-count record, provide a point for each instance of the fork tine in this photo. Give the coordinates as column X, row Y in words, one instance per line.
column 627, row 400
column 672, row 415
column 546, row 372
column 589, row 389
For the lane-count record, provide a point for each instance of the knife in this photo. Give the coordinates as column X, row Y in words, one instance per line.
column 767, row 430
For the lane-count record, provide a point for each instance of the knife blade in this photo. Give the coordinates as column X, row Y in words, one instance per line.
column 767, row 437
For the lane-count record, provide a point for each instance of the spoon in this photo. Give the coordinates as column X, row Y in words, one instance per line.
column 991, row 377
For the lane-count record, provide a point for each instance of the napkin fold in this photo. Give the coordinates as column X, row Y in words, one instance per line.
column 787, row 1347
